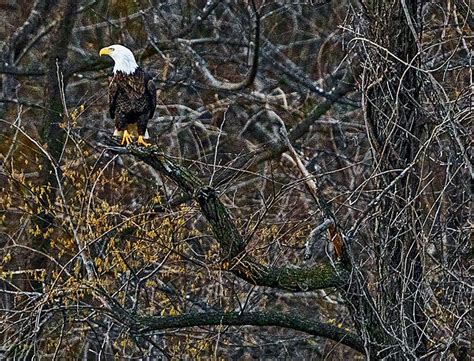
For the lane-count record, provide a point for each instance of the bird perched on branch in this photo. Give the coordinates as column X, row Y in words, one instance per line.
column 132, row 95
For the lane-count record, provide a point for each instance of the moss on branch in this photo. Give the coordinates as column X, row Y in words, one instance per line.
column 309, row 326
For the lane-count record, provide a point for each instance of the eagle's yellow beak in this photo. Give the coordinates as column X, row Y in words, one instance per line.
column 105, row 51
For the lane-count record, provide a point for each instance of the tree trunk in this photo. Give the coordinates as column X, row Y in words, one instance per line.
column 51, row 133
column 391, row 87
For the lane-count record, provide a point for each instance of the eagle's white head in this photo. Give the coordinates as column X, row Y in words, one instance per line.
column 123, row 58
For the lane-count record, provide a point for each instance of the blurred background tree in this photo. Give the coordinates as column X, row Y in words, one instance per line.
column 308, row 196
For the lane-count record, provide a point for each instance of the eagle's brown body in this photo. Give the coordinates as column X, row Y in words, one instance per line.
column 132, row 99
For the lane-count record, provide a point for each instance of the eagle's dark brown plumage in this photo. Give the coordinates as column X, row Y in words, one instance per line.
column 132, row 99
column 132, row 94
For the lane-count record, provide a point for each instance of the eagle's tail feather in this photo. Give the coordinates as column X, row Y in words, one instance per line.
column 118, row 133
column 133, row 129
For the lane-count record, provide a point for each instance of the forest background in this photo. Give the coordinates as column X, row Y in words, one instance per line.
column 307, row 197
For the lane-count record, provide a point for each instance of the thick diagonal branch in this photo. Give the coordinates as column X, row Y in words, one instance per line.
column 235, row 257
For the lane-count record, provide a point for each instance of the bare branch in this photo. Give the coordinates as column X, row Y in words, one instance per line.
column 203, row 68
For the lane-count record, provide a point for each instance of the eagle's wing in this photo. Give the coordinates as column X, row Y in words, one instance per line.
column 150, row 93
column 113, row 91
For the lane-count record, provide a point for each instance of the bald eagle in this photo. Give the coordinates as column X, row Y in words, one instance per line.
column 132, row 95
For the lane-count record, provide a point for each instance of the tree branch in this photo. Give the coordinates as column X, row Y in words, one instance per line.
column 220, row 85
column 308, row 326
column 276, row 148
column 234, row 255
column 18, row 39
column 208, row 9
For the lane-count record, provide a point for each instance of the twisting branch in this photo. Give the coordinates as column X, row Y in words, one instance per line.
column 16, row 43
column 18, row 39
column 220, row 85
column 235, row 257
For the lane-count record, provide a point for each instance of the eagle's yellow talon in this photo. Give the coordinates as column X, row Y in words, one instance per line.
column 141, row 141
column 127, row 137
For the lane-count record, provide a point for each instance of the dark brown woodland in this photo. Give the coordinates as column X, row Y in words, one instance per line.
column 306, row 196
